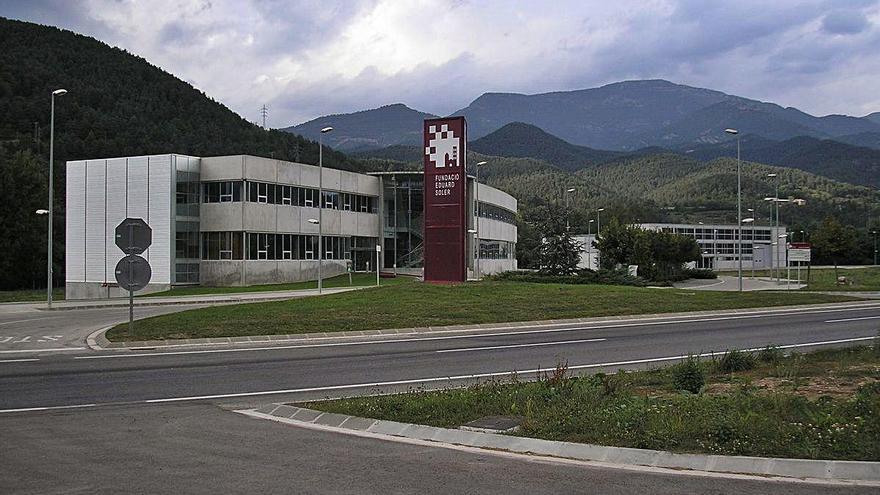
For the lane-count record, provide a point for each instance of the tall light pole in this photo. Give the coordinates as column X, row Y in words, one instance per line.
column 751, row 221
column 57, row 92
column 598, row 229
column 775, row 199
column 567, row 212
column 875, row 246
column 589, row 242
column 477, row 220
column 734, row 132
column 321, row 207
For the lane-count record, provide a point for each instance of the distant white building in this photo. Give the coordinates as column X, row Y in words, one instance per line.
column 762, row 246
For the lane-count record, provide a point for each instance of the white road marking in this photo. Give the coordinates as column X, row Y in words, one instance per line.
column 558, row 327
column 480, row 375
column 510, row 346
column 428, row 380
column 28, row 320
column 51, row 349
column 48, row 408
column 853, row 319
column 17, row 360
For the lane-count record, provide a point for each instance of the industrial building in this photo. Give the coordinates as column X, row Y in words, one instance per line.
column 763, row 246
column 245, row 220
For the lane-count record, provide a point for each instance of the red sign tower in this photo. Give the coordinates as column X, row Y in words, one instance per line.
column 445, row 199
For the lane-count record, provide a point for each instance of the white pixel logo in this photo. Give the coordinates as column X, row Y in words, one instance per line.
column 442, row 147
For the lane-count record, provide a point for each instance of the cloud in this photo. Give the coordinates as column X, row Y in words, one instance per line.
column 845, row 22
column 311, row 58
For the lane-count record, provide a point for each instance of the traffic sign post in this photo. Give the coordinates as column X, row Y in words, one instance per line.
column 133, row 237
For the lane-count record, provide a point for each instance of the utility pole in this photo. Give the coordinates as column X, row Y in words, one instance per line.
column 264, row 112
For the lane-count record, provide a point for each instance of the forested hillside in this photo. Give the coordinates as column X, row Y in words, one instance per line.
column 118, row 104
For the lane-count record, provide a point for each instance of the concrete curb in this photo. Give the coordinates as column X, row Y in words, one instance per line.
column 850, row 472
column 98, row 340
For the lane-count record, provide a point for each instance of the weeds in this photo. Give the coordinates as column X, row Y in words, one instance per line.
column 734, row 361
column 688, row 375
column 770, row 354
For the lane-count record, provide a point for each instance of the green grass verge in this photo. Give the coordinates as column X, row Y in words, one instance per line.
column 30, row 295
column 357, row 280
column 823, row 405
column 858, row 279
column 419, row 305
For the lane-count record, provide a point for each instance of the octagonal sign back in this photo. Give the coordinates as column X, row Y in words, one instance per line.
column 133, row 236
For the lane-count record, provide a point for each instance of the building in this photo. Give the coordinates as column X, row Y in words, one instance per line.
column 718, row 245
column 245, row 220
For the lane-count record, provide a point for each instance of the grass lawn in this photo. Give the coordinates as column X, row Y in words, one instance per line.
column 824, row 279
column 419, row 305
column 822, row 405
column 357, row 279
column 29, row 295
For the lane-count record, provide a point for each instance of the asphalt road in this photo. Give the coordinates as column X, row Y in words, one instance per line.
column 158, row 421
column 252, row 376
column 200, row 448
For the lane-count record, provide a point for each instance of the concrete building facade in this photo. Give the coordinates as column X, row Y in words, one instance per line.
column 245, row 220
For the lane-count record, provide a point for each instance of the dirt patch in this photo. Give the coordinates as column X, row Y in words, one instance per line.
column 809, row 387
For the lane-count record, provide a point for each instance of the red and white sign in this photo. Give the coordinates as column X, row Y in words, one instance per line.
column 799, row 252
column 445, row 143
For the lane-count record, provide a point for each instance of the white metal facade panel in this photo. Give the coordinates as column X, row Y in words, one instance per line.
column 74, row 239
column 117, row 196
column 95, row 227
column 159, row 217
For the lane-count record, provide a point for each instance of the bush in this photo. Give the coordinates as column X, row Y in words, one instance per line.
column 734, row 360
column 770, row 354
column 702, row 273
column 688, row 375
column 606, row 277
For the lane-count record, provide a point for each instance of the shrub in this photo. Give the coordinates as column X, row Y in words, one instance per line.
column 688, row 375
column 703, row 273
column 607, row 277
column 770, row 354
column 734, row 361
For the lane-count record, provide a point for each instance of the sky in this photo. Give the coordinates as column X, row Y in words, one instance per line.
column 305, row 59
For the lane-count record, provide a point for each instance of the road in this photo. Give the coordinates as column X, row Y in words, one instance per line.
column 161, row 418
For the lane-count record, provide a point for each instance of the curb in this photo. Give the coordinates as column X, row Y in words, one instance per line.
column 823, row 471
column 241, row 298
column 98, row 340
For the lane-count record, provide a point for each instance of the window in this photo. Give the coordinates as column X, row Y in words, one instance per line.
column 221, row 192
column 287, row 195
column 497, row 213
column 222, row 246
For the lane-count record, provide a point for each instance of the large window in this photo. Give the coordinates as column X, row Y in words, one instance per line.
column 264, row 246
column 497, row 213
column 222, row 246
column 497, row 250
column 221, row 192
column 280, row 194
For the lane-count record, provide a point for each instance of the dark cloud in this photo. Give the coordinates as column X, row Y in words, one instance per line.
column 845, row 22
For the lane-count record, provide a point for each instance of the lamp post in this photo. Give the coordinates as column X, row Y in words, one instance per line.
column 751, row 221
column 567, row 212
column 477, row 220
column 875, row 246
column 775, row 198
column 589, row 242
column 734, row 132
column 598, row 230
column 321, row 207
column 473, row 232
column 715, row 249
column 57, row 92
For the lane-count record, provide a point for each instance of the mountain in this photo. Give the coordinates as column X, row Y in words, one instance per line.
column 117, row 104
column 368, row 129
column 864, row 139
column 833, row 159
column 524, row 140
column 622, row 116
column 873, row 117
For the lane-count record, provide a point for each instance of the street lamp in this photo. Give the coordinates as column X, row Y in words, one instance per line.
column 321, row 206
column 567, row 212
column 57, row 92
column 774, row 177
column 476, row 228
column 875, row 247
column 734, row 132
column 598, row 229
column 751, row 221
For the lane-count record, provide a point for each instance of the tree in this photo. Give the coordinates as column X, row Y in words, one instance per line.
column 834, row 241
column 559, row 253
